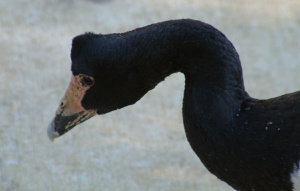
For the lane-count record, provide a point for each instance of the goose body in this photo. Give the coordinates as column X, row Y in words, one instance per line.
column 250, row 144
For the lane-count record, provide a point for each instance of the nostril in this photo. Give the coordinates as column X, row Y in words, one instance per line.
column 62, row 104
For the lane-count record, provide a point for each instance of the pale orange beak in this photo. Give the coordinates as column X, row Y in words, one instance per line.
column 70, row 111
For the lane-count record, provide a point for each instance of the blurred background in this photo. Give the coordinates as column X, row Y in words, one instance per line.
column 141, row 147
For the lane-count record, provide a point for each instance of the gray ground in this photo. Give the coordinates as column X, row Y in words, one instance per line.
column 142, row 147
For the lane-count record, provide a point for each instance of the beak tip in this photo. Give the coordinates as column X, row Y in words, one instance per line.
column 51, row 133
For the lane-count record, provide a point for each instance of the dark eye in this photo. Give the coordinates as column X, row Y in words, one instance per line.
column 87, row 81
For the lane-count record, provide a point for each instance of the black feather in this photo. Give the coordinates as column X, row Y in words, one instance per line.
column 250, row 144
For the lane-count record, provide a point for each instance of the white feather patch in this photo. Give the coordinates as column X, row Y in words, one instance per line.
column 296, row 178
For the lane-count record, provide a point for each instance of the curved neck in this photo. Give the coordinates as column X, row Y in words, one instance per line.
column 207, row 58
column 210, row 63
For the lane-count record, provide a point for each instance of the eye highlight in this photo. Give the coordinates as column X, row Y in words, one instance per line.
column 87, row 80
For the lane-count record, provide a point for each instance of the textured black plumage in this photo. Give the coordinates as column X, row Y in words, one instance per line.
column 250, row 144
